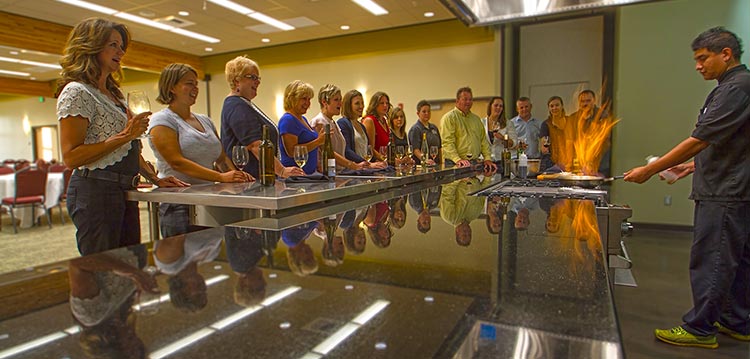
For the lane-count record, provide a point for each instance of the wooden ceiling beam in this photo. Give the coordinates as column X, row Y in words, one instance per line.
column 26, row 87
column 38, row 35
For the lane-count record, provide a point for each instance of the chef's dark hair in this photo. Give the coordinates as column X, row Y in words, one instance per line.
column 718, row 38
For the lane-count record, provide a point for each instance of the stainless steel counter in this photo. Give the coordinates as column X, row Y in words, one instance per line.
column 395, row 278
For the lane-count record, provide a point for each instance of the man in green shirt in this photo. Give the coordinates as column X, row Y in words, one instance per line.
column 462, row 134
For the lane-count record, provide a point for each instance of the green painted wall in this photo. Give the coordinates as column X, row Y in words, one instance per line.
column 658, row 94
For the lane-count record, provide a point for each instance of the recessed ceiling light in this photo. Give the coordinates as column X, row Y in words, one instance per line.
column 15, row 73
column 231, row 5
column 184, row 13
column 344, row 27
column 209, row 49
column 429, row 14
column 14, row 52
column 265, row 40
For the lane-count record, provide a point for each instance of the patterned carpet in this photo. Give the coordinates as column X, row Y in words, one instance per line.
column 41, row 245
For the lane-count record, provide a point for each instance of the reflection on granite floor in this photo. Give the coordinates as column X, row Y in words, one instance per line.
column 40, row 244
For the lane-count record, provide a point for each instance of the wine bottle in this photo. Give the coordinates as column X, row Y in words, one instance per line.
column 266, row 163
column 506, row 158
column 328, row 160
column 391, row 155
column 425, row 148
column 523, row 165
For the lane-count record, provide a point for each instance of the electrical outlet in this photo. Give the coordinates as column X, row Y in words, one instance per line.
column 667, row 200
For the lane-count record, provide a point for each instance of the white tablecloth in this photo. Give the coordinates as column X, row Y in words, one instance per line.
column 55, row 184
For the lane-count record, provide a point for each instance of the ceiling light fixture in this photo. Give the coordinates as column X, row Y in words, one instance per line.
column 344, row 27
column 372, row 7
column 183, row 13
column 429, row 14
column 15, row 73
column 140, row 20
column 32, row 63
column 209, row 49
column 265, row 40
column 231, row 5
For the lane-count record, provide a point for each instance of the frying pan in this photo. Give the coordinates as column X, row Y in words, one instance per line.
column 572, row 180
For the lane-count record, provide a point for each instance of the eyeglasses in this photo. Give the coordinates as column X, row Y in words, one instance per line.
column 252, row 77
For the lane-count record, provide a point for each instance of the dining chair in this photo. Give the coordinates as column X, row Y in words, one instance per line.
column 42, row 164
column 31, row 185
column 21, row 164
column 5, row 170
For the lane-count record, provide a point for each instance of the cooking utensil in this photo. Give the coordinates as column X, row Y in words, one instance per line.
column 584, row 181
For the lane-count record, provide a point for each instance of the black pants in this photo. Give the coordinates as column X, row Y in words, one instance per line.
column 104, row 220
column 720, row 268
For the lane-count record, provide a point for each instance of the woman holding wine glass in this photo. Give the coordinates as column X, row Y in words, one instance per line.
column 376, row 123
column 242, row 121
column 397, row 124
column 556, row 136
column 186, row 144
column 294, row 128
column 358, row 147
column 99, row 138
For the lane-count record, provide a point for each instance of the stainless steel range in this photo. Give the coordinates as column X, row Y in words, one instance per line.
column 611, row 219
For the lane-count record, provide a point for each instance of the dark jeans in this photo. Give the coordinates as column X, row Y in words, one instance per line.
column 103, row 218
column 720, row 268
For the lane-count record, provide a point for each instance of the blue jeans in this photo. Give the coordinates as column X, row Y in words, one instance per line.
column 720, row 268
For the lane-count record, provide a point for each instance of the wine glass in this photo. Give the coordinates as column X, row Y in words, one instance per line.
column 368, row 153
column 300, row 155
column 137, row 104
column 240, row 156
column 383, row 151
column 434, row 153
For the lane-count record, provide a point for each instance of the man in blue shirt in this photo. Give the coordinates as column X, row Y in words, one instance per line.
column 527, row 128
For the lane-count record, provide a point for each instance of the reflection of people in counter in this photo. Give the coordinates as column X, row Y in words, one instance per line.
column 497, row 208
column 300, row 255
column 245, row 248
column 185, row 144
column 353, row 231
column 178, row 257
column 333, row 245
column 398, row 211
column 459, row 209
column 242, row 121
column 720, row 142
column 522, row 207
column 103, row 288
column 99, row 138
column 378, row 226
column 423, row 202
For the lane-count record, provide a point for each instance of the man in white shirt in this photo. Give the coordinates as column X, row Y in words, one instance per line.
column 527, row 128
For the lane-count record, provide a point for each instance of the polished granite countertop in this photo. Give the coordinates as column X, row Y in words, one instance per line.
column 429, row 271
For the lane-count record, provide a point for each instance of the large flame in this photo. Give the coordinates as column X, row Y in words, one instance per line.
column 581, row 140
column 577, row 228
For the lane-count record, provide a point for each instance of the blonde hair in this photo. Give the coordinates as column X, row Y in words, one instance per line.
column 235, row 67
column 295, row 91
column 326, row 93
column 79, row 61
column 169, row 78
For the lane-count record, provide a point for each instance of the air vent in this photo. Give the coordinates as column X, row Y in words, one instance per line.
column 174, row 21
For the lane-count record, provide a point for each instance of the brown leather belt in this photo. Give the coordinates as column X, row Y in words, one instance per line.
column 109, row 176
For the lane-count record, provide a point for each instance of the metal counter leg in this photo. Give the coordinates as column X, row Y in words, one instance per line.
column 153, row 221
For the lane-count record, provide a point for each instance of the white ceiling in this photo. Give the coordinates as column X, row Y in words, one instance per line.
column 236, row 32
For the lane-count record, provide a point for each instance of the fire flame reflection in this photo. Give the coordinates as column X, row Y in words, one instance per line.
column 574, row 223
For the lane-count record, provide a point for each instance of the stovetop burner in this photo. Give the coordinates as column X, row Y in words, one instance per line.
column 533, row 188
column 521, row 182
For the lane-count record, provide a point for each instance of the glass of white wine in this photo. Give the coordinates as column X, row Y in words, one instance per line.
column 434, row 154
column 138, row 103
column 240, row 156
column 300, row 155
column 368, row 153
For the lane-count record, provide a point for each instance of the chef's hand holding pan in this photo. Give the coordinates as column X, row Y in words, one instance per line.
column 638, row 174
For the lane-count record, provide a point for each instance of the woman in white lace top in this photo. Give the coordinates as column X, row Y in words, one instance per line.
column 99, row 138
